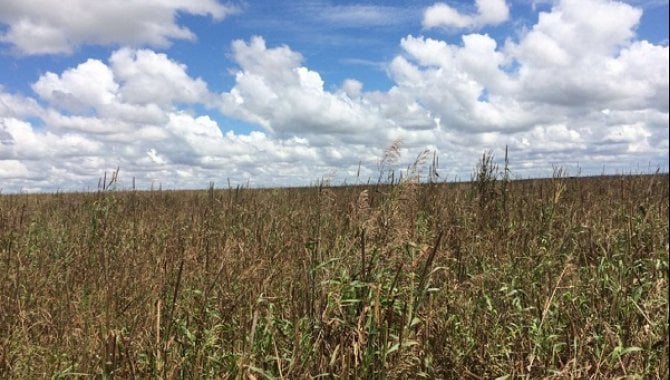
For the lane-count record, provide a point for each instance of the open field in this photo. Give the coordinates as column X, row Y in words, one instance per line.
column 538, row 278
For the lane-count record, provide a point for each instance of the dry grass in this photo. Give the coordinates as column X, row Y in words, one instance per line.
column 564, row 278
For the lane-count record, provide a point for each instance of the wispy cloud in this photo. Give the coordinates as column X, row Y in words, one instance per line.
column 379, row 65
column 362, row 15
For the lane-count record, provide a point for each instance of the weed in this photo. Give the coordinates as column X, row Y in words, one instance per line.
column 563, row 277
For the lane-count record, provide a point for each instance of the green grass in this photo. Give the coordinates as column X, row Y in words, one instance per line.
column 538, row 278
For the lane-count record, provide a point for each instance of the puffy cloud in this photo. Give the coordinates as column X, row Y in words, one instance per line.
column 13, row 169
column 136, row 88
column 89, row 85
column 274, row 91
column 570, row 91
column 465, row 86
column 566, row 65
column 17, row 106
column 575, row 56
column 20, row 140
column 149, row 77
column 489, row 12
column 77, row 131
column 48, row 27
column 97, row 116
column 352, row 88
column 442, row 14
column 138, row 77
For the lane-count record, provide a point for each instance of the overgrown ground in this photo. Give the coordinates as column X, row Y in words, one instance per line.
column 544, row 278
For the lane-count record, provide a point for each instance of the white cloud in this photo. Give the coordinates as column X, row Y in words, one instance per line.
column 492, row 12
column 442, row 14
column 138, row 87
column 352, row 88
column 13, row 169
column 22, row 141
column 89, row 85
column 149, row 77
column 155, row 157
column 451, row 82
column 274, row 91
column 489, row 12
column 48, row 27
column 575, row 56
column 79, row 131
column 566, row 65
column 601, row 100
column 17, row 106
column 583, row 28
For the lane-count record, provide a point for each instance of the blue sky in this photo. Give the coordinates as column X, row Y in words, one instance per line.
column 283, row 93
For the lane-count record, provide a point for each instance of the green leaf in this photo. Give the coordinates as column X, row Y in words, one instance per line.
column 350, row 301
column 620, row 351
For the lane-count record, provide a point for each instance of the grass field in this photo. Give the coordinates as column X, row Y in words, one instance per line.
column 560, row 278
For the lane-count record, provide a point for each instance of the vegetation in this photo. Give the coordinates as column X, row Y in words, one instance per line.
column 556, row 278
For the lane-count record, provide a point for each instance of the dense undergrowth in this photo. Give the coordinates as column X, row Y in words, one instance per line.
column 563, row 277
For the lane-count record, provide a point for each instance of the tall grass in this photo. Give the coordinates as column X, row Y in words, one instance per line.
column 538, row 278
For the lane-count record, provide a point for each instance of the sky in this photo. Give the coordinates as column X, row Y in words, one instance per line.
column 182, row 93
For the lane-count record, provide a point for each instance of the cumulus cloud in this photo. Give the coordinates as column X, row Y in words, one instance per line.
column 570, row 91
column 573, row 57
column 352, row 88
column 136, row 87
column 134, row 117
column 48, row 27
column 13, row 169
column 98, row 115
column 451, row 82
column 489, row 12
column 17, row 106
column 272, row 89
column 89, row 85
column 23, row 142
column 568, row 64
column 152, row 78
